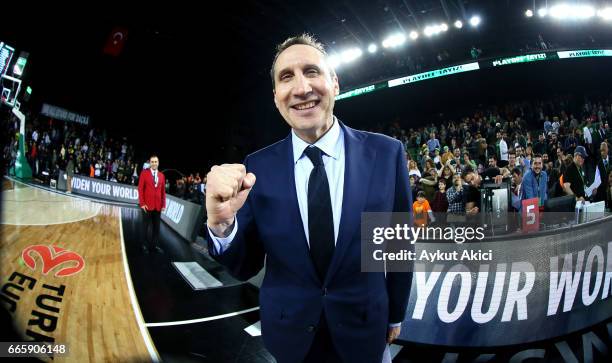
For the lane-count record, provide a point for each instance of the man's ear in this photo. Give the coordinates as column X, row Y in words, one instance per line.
column 336, row 84
column 275, row 101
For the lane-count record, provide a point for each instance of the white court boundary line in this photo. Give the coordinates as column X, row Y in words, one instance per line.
column 99, row 207
column 72, row 195
column 193, row 321
column 135, row 307
column 50, row 224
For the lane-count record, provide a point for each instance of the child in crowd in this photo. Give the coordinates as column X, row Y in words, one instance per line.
column 422, row 210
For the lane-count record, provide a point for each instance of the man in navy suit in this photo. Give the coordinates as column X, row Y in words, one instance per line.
column 303, row 217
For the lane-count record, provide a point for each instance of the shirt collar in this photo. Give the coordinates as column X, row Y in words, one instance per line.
column 330, row 143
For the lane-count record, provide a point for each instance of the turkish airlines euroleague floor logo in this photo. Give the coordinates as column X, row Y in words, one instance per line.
column 53, row 256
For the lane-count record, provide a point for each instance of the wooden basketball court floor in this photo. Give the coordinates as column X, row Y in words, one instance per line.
column 72, row 271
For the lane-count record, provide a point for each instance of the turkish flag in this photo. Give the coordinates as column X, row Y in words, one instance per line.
column 116, row 41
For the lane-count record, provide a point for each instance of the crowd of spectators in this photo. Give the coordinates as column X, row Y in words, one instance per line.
column 191, row 188
column 77, row 149
column 546, row 148
column 549, row 148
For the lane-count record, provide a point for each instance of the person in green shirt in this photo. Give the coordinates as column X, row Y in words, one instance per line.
column 468, row 163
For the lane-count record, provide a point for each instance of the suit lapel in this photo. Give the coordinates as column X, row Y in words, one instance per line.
column 359, row 160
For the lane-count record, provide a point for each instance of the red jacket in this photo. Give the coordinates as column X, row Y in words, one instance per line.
column 154, row 198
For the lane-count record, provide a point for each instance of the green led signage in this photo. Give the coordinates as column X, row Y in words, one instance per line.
column 585, row 53
column 519, row 59
column 476, row 66
column 356, row 92
column 434, row 74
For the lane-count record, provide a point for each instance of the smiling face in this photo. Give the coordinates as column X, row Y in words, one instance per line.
column 536, row 165
column 154, row 163
column 305, row 90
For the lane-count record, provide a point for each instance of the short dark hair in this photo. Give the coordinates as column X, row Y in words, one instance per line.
column 517, row 171
column 537, row 156
column 153, row 156
column 421, row 194
column 303, row 39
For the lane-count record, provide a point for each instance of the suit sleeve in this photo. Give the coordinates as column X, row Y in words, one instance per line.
column 163, row 191
column 399, row 283
column 141, row 188
column 244, row 258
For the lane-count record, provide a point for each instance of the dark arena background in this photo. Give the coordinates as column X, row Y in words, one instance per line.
column 88, row 95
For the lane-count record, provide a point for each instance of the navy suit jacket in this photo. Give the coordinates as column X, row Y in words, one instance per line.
column 358, row 306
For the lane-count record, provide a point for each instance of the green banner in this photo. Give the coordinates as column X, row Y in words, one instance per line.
column 434, row 74
column 519, row 59
column 356, row 92
column 585, row 53
column 526, row 58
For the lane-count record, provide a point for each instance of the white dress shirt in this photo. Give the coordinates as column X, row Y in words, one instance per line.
column 332, row 145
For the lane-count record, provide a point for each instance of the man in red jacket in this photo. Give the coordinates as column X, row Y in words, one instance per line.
column 152, row 201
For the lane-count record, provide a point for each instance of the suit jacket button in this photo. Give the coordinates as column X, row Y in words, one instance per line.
column 310, row 329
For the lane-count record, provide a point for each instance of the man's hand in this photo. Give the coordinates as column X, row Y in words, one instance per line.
column 473, row 211
column 227, row 189
column 144, row 208
column 163, row 209
column 393, row 333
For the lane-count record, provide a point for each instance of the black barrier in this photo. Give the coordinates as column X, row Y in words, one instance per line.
column 589, row 345
column 182, row 216
column 103, row 189
column 531, row 288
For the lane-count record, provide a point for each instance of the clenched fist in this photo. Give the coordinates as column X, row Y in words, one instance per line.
column 227, row 189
